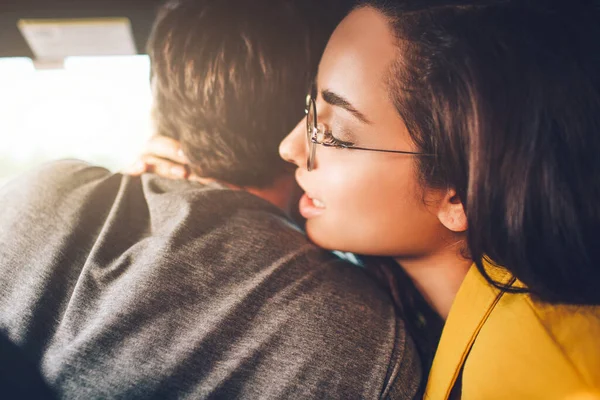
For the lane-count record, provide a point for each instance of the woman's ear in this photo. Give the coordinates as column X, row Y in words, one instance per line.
column 451, row 212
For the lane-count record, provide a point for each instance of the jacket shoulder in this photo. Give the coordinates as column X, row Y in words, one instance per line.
column 575, row 332
column 528, row 349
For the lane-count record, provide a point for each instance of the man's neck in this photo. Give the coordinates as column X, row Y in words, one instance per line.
column 280, row 193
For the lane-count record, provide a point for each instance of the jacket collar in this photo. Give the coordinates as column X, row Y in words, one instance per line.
column 474, row 302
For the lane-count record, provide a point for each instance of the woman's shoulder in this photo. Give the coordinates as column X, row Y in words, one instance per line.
column 510, row 346
column 537, row 347
column 568, row 323
column 574, row 331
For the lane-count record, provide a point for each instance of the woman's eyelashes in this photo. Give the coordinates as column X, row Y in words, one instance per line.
column 332, row 122
column 332, row 141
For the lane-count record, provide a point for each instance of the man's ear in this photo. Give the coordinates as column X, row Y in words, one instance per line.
column 451, row 212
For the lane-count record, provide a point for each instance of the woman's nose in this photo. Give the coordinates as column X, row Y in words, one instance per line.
column 293, row 147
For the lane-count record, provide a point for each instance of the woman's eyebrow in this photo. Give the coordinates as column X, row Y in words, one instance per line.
column 336, row 100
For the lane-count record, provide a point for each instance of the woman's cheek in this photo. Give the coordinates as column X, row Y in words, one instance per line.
column 346, row 187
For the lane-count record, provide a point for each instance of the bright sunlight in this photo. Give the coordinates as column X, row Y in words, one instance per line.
column 95, row 109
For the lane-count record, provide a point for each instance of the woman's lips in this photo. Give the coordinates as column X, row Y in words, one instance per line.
column 311, row 207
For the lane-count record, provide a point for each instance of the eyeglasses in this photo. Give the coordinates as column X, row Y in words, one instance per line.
column 316, row 134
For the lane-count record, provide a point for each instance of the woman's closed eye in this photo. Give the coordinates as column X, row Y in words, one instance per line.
column 332, row 141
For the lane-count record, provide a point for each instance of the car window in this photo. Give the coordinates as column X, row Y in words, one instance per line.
column 95, row 108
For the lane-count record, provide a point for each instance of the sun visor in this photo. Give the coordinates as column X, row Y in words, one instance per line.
column 52, row 40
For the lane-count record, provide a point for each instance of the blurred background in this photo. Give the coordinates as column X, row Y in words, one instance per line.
column 74, row 82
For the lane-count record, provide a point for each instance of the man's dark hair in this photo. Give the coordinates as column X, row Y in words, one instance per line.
column 230, row 79
column 506, row 93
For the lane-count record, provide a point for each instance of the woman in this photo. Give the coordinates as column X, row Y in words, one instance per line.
column 461, row 139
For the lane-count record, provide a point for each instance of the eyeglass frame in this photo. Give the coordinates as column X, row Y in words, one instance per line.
column 313, row 132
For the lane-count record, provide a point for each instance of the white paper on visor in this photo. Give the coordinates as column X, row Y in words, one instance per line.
column 55, row 39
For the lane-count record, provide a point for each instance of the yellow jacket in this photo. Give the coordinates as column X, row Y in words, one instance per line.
column 512, row 347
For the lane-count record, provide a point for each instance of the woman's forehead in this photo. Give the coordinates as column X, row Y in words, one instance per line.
column 357, row 60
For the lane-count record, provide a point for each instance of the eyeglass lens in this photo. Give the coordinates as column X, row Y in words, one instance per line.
column 311, row 115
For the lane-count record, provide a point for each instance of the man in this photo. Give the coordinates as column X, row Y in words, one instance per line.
column 137, row 287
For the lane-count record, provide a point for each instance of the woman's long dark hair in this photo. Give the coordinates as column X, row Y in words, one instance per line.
column 507, row 95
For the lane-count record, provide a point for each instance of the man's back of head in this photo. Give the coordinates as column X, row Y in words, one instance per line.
column 230, row 79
